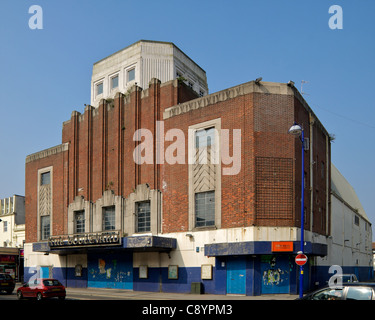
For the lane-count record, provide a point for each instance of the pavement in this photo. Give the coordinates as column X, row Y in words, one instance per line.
column 99, row 293
column 118, row 294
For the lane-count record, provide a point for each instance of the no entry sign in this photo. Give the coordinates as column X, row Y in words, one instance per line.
column 301, row 259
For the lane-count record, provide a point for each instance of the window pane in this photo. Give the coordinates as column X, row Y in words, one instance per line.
column 45, row 178
column 45, row 227
column 131, row 75
column 205, row 137
column 114, row 82
column 328, row 294
column 79, row 221
column 99, row 88
column 109, row 218
column 205, row 209
column 143, row 216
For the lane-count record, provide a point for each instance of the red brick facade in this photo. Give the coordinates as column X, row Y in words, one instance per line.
column 266, row 191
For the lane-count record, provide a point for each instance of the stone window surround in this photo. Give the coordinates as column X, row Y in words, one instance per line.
column 40, row 172
column 216, row 123
column 125, row 211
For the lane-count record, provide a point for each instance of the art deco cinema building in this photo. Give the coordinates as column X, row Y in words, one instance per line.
column 119, row 204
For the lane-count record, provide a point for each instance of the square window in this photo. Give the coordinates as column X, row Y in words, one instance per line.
column 131, row 75
column 114, row 82
column 45, row 178
column 99, row 88
column 109, row 218
column 205, row 209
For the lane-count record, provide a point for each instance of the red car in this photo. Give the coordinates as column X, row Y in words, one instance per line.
column 42, row 288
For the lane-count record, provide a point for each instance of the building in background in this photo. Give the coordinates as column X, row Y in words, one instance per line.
column 350, row 239
column 162, row 187
column 12, row 235
column 141, row 62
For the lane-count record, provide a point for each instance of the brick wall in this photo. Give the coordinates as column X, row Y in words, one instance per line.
column 266, row 191
column 58, row 161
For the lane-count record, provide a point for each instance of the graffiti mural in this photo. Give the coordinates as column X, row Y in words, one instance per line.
column 110, row 271
column 275, row 274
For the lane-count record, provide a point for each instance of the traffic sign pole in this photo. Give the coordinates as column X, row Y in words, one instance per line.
column 301, row 260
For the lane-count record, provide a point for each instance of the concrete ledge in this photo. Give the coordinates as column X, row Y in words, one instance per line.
column 260, row 247
column 47, row 152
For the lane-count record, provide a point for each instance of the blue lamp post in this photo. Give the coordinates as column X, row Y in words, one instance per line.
column 297, row 130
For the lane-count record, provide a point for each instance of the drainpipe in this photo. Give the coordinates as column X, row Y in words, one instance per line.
column 311, row 122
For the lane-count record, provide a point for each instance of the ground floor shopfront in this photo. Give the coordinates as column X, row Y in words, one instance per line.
column 184, row 262
column 11, row 262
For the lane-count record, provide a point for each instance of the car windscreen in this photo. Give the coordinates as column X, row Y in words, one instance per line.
column 5, row 277
column 51, row 283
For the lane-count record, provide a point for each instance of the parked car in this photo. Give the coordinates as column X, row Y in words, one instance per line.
column 349, row 278
column 42, row 288
column 7, row 283
column 348, row 291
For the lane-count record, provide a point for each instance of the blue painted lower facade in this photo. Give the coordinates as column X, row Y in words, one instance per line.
column 249, row 275
column 248, row 268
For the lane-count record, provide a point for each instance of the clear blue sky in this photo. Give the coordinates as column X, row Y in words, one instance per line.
column 45, row 74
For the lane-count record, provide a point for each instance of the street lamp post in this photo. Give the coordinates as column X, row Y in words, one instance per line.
column 297, row 130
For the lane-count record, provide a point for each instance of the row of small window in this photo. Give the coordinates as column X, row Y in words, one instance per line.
column 114, row 82
column 188, row 82
column 108, row 220
column 204, row 216
column 6, row 205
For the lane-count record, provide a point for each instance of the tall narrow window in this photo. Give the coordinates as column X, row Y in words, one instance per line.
column 109, row 218
column 143, row 217
column 114, row 82
column 79, row 221
column 356, row 220
column 131, row 75
column 45, row 227
column 99, row 88
column 205, row 209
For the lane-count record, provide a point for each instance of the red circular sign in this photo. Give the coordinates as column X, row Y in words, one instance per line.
column 301, row 259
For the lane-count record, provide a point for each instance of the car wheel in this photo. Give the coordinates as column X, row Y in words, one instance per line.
column 39, row 296
column 19, row 295
column 61, row 298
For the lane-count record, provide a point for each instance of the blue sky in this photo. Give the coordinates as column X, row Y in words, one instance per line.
column 45, row 74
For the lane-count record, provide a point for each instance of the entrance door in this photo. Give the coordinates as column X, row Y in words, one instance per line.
column 236, row 276
column 44, row 272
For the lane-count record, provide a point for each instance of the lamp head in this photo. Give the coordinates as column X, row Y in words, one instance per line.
column 257, row 80
column 295, row 129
